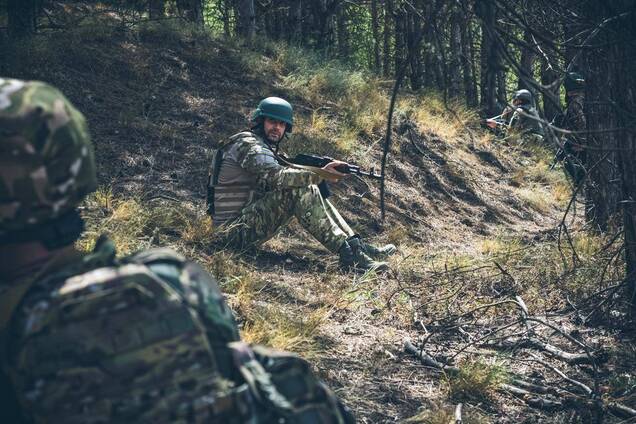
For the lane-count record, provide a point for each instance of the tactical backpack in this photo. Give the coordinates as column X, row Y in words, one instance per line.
column 121, row 344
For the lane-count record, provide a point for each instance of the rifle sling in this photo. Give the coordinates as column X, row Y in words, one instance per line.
column 218, row 160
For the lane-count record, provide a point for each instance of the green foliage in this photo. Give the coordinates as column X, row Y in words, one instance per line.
column 475, row 381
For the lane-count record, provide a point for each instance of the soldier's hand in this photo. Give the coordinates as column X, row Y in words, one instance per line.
column 331, row 167
column 491, row 123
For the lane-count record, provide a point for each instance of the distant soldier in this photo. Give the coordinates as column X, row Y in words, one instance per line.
column 90, row 338
column 574, row 144
column 525, row 121
column 252, row 194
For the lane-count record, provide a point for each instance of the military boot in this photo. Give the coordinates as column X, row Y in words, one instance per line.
column 352, row 255
column 379, row 252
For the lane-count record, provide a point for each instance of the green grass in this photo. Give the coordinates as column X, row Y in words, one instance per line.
column 476, row 381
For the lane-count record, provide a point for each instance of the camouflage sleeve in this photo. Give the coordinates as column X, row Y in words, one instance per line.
column 576, row 116
column 258, row 159
column 198, row 288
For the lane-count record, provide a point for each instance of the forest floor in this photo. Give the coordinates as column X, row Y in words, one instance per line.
column 476, row 220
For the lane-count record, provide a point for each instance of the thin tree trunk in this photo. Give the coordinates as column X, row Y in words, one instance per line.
column 295, row 21
column 343, row 31
column 548, row 77
column 246, row 20
column 466, row 41
column 489, row 56
column 455, row 56
column 376, row 37
column 400, row 35
column 528, row 57
column 388, row 18
column 191, row 10
column 156, row 9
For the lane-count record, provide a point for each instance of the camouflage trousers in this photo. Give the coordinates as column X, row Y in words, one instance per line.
column 263, row 218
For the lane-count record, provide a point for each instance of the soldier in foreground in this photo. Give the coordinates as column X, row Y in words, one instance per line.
column 89, row 338
column 252, row 193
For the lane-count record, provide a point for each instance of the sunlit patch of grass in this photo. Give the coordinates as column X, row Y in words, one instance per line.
column 499, row 246
column 476, row 380
column 562, row 193
column 440, row 414
column 535, row 197
column 134, row 225
column 271, row 326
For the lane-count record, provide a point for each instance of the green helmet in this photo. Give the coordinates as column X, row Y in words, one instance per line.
column 47, row 164
column 574, row 81
column 523, row 95
column 275, row 108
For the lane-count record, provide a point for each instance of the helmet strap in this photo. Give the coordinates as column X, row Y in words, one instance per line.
column 56, row 233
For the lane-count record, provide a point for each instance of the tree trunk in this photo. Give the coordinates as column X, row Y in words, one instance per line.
column 526, row 64
column 388, row 19
column 246, row 20
column 343, row 31
column 191, row 10
column 549, row 76
column 414, row 46
column 486, row 11
column 456, row 53
column 376, row 37
column 295, row 26
column 21, row 18
column 470, row 86
column 400, row 35
column 156, row 9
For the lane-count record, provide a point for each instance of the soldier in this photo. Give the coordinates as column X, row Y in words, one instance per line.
column 89, row 338
column 574, row 144
column 525, row 121
column 251, row 195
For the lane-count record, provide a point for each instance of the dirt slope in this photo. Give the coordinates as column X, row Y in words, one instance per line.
column 157, row 102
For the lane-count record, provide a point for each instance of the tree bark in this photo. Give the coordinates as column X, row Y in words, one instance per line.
column 414, row 46
column 388, row 19
column 377, row 66
column 490, row 61
column 526, row 64
column 455, row 55
column 466, row 39
column 295, row 26
column 400, row 38
column 191, row 10
column 156, row 9
column 21, row 18
column 343, row 31
column 246, row 20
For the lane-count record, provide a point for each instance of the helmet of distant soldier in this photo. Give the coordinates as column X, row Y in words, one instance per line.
column 275, row 108
column 573, row 82
column 524, row 95
column 47, row 164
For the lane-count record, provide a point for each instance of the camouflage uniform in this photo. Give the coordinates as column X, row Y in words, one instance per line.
column 89, row 338
column 575, row 144
column 280, row 193
column 525, row 124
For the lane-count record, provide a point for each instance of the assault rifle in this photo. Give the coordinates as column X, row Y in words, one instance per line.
column 497, row 124
column 315, row 164
column 311, row 161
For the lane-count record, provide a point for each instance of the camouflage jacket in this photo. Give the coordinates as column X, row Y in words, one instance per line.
column 574, row 114
column 526, row 120
column 147, row 339
column 243, row 168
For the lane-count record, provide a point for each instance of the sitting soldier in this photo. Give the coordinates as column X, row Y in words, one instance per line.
column 525, row 123
column 252, row 193
column 90, row 338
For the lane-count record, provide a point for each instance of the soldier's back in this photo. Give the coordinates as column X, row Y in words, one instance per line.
column 102, row 340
